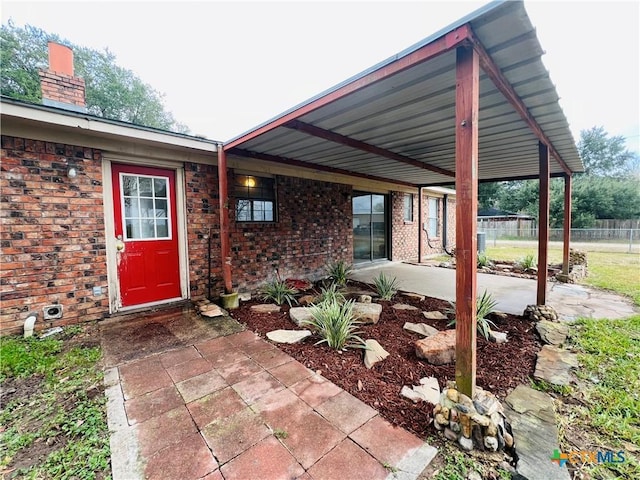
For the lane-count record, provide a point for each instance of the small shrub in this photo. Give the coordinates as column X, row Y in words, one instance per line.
column 339, row 272
column 483, row 260
column 527, row 262
column 331, row 293
column 386, row 287
column 279, row 291
column 335, row 323
column 485, row 304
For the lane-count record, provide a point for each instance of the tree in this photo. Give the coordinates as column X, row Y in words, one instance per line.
column 111, row 91
column 604, row 156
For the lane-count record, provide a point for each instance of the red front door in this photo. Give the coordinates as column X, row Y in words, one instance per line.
column 145, row 224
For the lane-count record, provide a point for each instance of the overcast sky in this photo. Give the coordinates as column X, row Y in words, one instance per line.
column 226, row 67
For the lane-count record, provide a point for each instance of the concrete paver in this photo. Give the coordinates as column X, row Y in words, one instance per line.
column 236, row 407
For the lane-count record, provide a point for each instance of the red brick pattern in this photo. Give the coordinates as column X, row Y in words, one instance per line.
column 404, row 235
column 52, row 233
column 62, row 88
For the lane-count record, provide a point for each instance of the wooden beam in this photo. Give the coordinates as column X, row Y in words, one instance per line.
column 543, row 224
column 426, row 52
column 311, row 166
column 225, row 243
column 566, row 226
column 366, row 147
column 500, row 81
column 467, row 101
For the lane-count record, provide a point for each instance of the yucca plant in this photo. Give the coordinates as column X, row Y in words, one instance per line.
column 331, row 293
column 483, row 260
column 335, row 323
column 279, row 291
column 386, row 287
column 527, row 262
column 485, row 304
column 339, row 272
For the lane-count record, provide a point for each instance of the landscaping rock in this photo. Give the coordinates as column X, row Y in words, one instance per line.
column 427, row 391
column 288, row 336
column 300, row 314
column 211, row 311
column 374, row 353
column 497, row 337
column 421, row 328
column 554, row 365
column 306, row 300
column 438, row 349
column 540, row 312
column 404, row 306
column 435, row 315
column 364, row 299
column 367, row 312
column 551, row 332
column 415, row 296
column 244, row 296
column 265, row 308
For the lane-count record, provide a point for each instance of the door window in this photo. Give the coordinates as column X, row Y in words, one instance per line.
column 145, row 207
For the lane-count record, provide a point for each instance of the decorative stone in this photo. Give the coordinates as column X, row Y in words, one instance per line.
column 412, row 395
column 453, row 415
column 364, row 299
column 452, row 394
column 465, row 423
column 491, row 443
column 306, row 300
column 554, row 365
column 427, row 391
column 435, row 315
column 437, row 408
column 552, row 333
column 299, row 315
column 492, row 429
column 486, row 403
column 244, row 296
column 265, row 308
column 404, row 306
column 466, row 443
column 415, row 296
column 497, row 337
column 445, row 413
column 438, row 349
column 212, row 311
column 374, row 353
column 508, row 439
column 540, row 312
column 450, row 434
column 481, row 420
column 288, row 336
column 421, row 328
column 367, row 312
column 455, row 426
column 440, row 419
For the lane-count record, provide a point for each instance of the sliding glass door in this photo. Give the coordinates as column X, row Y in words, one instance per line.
column 369, row 227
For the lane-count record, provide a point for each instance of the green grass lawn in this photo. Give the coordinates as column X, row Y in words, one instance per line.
column 53, row 415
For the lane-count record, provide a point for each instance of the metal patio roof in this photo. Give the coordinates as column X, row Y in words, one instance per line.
column 395, row 121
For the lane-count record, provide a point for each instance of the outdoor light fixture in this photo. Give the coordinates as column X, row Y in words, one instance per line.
column 72, row 172
column 250, row 182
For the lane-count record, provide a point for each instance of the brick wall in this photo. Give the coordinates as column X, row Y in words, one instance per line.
column 314, row 227
column 62, row 88
column 52, row 233
column 404, row 235
column 203, row 220
column 434, row 246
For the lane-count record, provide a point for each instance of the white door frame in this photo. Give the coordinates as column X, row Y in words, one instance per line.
column 115, row 304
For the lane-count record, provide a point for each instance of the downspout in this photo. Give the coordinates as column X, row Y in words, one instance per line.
column 419, row 224
column 225, row 249
column 445, row 233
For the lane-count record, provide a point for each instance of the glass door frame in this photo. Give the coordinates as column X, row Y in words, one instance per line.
column 386, row 234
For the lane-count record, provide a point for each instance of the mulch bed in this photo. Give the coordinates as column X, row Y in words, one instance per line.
column 500, row 367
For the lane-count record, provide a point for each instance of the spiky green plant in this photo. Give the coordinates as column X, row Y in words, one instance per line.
column 527, row 262
column 339, row 272
column 483, row 260
column 485, row 304
column 336, row 324
column 279, row 292
column 331, row 293
column 386, row 287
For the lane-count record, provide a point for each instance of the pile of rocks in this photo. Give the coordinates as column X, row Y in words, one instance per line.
column 577, row 267
column 209, row 309
column 474, row 424
column 540, row 312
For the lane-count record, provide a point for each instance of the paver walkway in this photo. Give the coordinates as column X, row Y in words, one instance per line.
column 236, row 407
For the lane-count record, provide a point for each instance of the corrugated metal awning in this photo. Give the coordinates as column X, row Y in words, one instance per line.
column 395, row 121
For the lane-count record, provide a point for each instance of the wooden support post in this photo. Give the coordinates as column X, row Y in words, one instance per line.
column 225, row 244
column 419, row 224
column 543, row 224
column 566, row 230
column 467, row 100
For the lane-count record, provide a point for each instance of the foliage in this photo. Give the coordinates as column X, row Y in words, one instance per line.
column 527, row 262
column 111, row 91
column 339, row 271
column 67, row 410
column 279, row 291
column 331, row 293
column 604, row 155
column 336, row 324
column 386, row 286
column 483, row 260
column 457, row 466
column 485, row 304
column 610, row 362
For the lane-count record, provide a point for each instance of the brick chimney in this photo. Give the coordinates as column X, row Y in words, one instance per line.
column 60, row 88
